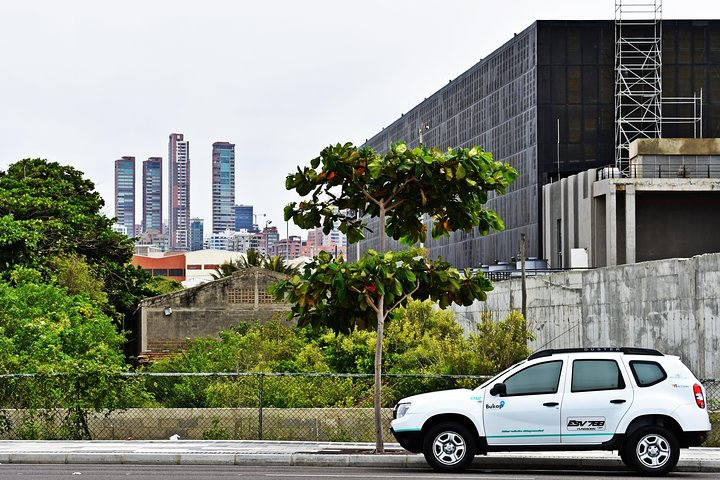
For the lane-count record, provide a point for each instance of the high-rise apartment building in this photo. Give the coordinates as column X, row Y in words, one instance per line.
column 197, row 233
column 545, row 103
column 125, row 193
column 223, row 186
column 178, row 193
column 152, row 195
column 244, row 218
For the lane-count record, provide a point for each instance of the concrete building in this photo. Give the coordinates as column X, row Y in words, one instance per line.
column 545, row 103
column 286, row 248
column 334, row 243
column 663, row 208
column 197, row 234
column 125, row 193
column 178, row 193
column 223, row 186
column 220, row 240
column 170, row 265
column 244, row 217
column 163, row 323
column 152, row 195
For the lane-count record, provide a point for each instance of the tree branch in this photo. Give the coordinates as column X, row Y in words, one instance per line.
column 417, row 285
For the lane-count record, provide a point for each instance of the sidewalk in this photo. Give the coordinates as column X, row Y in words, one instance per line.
column 257, row 452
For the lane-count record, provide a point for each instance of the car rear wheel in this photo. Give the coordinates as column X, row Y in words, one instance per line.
column 652, row 450
column 449, row 447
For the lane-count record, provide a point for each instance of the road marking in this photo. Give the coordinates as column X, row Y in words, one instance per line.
column 414, row 475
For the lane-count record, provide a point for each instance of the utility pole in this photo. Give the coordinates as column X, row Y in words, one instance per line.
column 522, row 277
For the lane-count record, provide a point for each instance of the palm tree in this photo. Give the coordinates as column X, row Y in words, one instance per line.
column 254, row 258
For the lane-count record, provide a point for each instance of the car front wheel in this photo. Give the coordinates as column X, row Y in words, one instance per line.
column 449, row 447
column 652, row 450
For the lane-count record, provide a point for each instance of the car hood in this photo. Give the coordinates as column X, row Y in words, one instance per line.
column 447, row 397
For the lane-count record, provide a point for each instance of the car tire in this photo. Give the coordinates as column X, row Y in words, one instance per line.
column 652, row 451
column 449, row 447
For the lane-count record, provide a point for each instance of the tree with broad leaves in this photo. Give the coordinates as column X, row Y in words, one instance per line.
column 399, row 188
column 51, row 214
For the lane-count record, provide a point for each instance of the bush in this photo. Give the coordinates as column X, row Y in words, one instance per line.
column 420, row 339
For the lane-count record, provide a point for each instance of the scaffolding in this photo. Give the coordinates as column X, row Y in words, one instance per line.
column 638, row 74
column 639, row 98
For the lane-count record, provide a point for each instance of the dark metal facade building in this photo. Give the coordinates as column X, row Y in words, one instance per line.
column 544, row 102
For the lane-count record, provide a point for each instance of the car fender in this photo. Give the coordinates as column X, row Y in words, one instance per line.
column 424, row 407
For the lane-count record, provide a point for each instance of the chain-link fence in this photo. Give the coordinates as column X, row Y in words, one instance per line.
column 214, row 406
column 277, row 406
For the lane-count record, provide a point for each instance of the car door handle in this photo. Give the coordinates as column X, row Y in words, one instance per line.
column 618, row 401
column 551, row 404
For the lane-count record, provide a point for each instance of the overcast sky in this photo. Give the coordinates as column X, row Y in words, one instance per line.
column 84, row 82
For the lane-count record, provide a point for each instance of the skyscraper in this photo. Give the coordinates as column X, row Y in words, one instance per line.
column 244, row 218
column 178, row 193
column 196, row 234
column 125, row 193
column 152, row 195
column 223, row 186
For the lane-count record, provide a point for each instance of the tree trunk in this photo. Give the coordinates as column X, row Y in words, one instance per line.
column 381, row 229
column 377, row 397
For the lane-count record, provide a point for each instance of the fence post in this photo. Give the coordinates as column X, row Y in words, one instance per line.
column 260, row 408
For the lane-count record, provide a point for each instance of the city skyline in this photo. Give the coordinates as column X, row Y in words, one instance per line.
column 93, row 83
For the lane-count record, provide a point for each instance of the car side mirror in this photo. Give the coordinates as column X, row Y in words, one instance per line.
column 498, row 389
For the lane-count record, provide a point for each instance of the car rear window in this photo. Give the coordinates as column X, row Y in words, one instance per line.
column 647, row 373
column 594, row 375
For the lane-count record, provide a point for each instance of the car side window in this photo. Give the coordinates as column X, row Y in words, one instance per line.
column 536, row 379
column 647, row 373
column 594, row 375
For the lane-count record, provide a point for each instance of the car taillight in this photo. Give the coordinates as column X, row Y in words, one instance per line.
column 699, row 397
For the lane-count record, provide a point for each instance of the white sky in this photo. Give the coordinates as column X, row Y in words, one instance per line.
column 84, row 82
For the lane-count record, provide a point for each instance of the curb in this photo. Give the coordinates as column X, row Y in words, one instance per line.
column 331, row 460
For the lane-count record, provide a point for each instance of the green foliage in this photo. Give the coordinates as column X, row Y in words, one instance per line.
column 419, row 339
column 51, row 222
column 59, row 208
column 714, row 436
column 73, row 347
column 345, row 296
column 498, row 345
column 254, row 258
column 451, row 187
column 216, row 431
column 76, row 276
column 343, row 185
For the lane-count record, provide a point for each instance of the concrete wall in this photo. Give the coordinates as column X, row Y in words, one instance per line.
column 671, row 305
column 204, row 311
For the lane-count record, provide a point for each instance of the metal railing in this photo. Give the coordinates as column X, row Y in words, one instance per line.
column 672, row 167
column 219, row 406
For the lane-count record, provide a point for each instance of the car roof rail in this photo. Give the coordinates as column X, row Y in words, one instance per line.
column 624, row 350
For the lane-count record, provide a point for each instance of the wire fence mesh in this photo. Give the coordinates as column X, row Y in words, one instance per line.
column 272, row 406
column 215, row 406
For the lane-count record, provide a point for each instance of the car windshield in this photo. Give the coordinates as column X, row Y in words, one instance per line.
column 492, row 380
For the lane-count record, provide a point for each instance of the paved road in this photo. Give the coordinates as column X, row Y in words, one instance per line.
column 305, row 454
column 219, row 472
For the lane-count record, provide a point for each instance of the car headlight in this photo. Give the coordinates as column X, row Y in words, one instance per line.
column 401, row 409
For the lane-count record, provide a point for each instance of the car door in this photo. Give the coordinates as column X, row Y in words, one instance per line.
column 597, row 395
column 528, row 413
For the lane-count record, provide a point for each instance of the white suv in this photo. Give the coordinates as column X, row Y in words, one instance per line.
column 642, row 403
